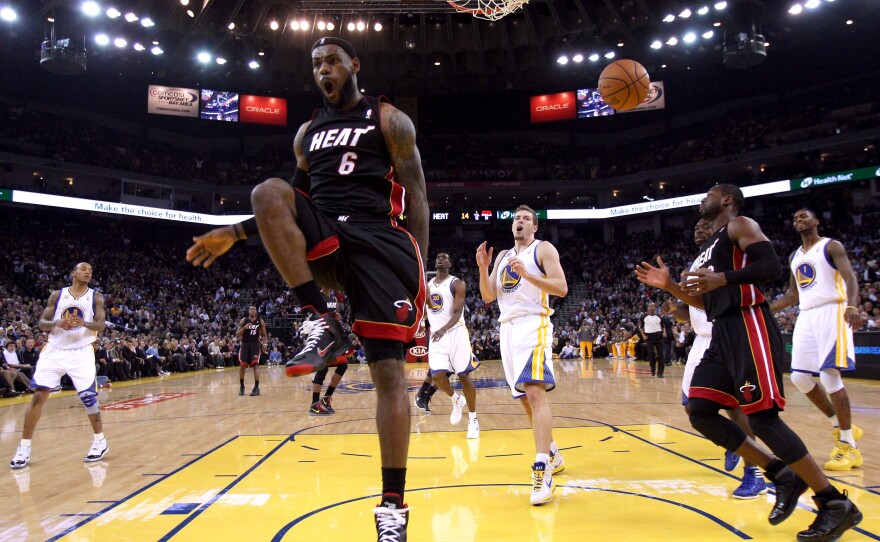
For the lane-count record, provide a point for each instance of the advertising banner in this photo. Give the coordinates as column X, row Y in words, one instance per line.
column 834, row 178
column 263, row 110
column 656, row 99
column 867, row 346
column 178, row 102
column 552, row 107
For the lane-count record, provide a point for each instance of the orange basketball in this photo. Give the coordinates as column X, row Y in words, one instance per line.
column 624, row 84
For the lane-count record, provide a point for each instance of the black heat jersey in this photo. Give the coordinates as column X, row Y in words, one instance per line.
column 349, row 165
column 720, row 254
column 251, row 332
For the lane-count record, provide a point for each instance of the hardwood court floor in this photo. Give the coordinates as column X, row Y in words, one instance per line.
column 191, row 460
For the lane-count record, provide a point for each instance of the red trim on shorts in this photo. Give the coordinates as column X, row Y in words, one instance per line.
column 713, row 395
column 325, row 247
column 395, row 198
column 759, row 342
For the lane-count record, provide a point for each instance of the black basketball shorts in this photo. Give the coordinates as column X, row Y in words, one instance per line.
column 375, row 261
column 740, row 368
column 249, row 354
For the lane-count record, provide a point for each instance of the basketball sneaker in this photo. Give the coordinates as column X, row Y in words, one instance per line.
column 731, row 461
column 557, row 462
column 241, row 390
column 318, row 409
column 752, row 485
column 834, row 517
column 392, row 518
column 789, row 486
column 847, row 458
column 328, row 404
column 97, row 452
column 255, row 392
column 542, row 484
column 22, row 456
column 458, row 403
column 857, row 433
column 422, row 401
column 324, row 343
column 473, row 429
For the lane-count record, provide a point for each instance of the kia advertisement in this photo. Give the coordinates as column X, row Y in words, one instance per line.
column 552, row 107
column 263, row 110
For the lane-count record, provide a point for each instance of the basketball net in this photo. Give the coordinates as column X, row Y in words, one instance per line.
column 491, row 10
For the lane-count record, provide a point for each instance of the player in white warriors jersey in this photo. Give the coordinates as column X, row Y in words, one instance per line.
column 73, row 317
column 822, row 281
column 450, row 348
column 522, row 281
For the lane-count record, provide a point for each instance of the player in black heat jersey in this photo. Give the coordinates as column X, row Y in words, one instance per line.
column 358, row 168
column 740, row 367
column 252, row 337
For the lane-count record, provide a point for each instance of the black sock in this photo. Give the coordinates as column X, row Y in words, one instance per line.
column 830, row 493
column 393, row 481
column 310, row 297
column 330, row 390
column 241, row 381
column 431, row 391
column 424, row 388
column 256, row 384
column 316, row 396
column 774, row 467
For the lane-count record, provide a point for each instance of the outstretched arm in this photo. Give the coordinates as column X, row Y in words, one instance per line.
column 659, row 277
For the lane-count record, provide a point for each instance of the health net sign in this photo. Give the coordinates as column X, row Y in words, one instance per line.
column 175, row 101
column 551, row 107
column 263, row 110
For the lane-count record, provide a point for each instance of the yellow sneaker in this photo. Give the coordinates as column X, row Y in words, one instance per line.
column 847, row 458
column 835, row 433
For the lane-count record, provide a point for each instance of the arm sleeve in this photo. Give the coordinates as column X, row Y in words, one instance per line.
column 764, row 267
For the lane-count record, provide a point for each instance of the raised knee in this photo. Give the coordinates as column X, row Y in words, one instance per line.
column 271, row 192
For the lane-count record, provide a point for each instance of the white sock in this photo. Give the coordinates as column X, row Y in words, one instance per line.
column 553, row 449
column 846, row 436
column 99, row 436
column 472, row 416
column 542, row 458
column 834, row 423
column 26, row 442
column 455, row 397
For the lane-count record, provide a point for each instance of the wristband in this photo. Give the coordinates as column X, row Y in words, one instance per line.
column 848, row 307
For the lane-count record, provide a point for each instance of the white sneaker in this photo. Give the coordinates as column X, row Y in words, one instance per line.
column 22, row 456
column 473, row 429
column 97, row 452
column 542, row 484
column 457, row 404
column 557, row 462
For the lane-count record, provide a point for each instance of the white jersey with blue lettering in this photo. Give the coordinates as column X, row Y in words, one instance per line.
column 517, row 296
column 699, row 321
column 70, row 305
column 440, row 301
column 818, row 281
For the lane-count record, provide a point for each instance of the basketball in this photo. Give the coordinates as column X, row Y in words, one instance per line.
column 624, row 84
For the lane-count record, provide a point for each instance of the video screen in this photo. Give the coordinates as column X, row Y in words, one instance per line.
column 219, row 105
column 590, row 104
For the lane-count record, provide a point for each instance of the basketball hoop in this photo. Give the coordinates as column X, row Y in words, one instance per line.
column 491, row 10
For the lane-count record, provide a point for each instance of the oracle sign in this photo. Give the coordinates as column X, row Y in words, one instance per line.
column 263, row 110
column 550, row 107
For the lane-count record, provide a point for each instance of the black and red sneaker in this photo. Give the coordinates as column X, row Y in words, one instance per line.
column 327, row 403
column 324, row 342
column 392, row 518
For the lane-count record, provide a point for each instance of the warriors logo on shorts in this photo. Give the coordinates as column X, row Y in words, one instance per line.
column 806, row 274
column 509, row 279
column 746, row 390
column 73, row 311
column 435, row 302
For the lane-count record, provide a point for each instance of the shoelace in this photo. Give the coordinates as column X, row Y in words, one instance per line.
column 387, row 522
column 313, row 328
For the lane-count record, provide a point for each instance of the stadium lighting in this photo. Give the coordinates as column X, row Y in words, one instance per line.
column 156, row 50
column 294, row 25
column 811, row 4
column 703, row 10
column 113, row 13
column 120, row 42
column 102, row 39
column 578, row 58
column 721, row 5
column 8, row 14
column 377, row 27
column 690, row 37
column 330, row 26
column 360, row 26
column 849, row 22
column 131, row 17
column 350, row 27
column 672, row 41
column 190, row 13
column 184, row 3
column 620, row 44
column 562, row 60
column 146, row 22
column 609, row 55
column 656, row 44
column 273, row 25
column 253, row 64
column 91, row 8
column 594, row 57
column 203, row 57
column 231, row 26
column 669, row 18
column 708, row 34
column 138, row 47
column 685, row 13
column 796, row 9
column 220, row 60
column 304, row 24
column 322, row 25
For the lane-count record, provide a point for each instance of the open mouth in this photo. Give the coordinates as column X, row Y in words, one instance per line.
column 329, row 88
